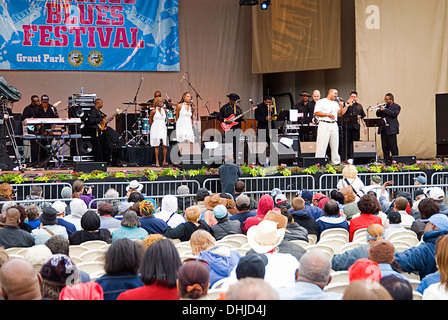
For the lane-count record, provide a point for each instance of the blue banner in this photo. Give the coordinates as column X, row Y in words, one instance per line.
column 89, row 35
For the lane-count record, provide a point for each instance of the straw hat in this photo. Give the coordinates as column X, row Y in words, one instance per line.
column 212, row 201
column 135, row 185
column 265, row 236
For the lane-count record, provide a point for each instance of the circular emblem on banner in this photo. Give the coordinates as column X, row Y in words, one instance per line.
column 95, row 58
column 75, row 58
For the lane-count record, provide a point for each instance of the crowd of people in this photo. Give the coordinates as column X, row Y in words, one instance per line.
column 143, row 262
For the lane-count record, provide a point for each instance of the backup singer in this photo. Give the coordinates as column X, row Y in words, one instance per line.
column 184, row 119
column 328, row 110
column 158, row 131
column 388, row 133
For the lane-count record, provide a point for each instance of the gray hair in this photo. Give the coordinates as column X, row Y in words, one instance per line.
column 315, row 266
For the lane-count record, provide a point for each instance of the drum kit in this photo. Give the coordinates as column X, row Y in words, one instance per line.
column 139, row 133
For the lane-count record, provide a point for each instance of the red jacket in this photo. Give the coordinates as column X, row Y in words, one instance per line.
column 151, row 292
column 363, row 221
column 265, row 204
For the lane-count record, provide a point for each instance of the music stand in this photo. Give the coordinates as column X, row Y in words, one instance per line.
column 375, row 123
column 344, row 120
column 283, row 115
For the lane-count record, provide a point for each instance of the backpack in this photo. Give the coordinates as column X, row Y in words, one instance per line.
column 348, row 192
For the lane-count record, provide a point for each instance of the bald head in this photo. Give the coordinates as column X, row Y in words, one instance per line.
column 315, row 267
column 12, row 217
column 19, row 281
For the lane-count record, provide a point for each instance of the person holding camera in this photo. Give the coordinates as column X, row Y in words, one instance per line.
column 84, row 193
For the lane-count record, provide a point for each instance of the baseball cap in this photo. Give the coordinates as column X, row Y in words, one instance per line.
column 252, row 265
column 395, row 217
column 242, row 201
column 436, row 193
column 440, row 220
column 220, row 211
column 280, row 198
column 45, row 98
column 421, row 179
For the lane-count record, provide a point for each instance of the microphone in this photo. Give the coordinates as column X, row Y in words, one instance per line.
column 183, row 77
column 251, row 102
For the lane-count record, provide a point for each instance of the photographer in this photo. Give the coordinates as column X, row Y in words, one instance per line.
column 84, row 193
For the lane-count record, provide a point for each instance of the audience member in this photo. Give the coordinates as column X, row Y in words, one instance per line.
column 19, row 281
column 439, row 196
column 147, row 219
column 184, row 230
column 150, row 239
column 265, row 238
column 240, row 188
column 421, row 258
column 130, row 228
column 344, row 260
column 193, row 280
column 225, row 226
column 57, row 272
column 158, row 269
column 6, row 193
column 438, row 290
column 90, row 224
column 82, row 291
column 229, row 173
column 251, row 266
column 133, row 186
column 368, row 206
column 264, row 205
column 398, row 288
column 168, row 212
column 107, row 220
column 61, row 209
column 302, row 217
column 394, row 224
column 375, row 186
column 426, row 207
column 243, row 207
column 11, row 235
column 312, row 277
column 201, row 194
column 49, row 227
column 210, row 202
column 33, row 213
column 222, row 260
column 251, row 289
column 311, row 203
column 122, row 263
column 400, row 205
column 383, row 253
column 83, row 193
column 366, row 290
column 183, row 199
column 281, row 201
column 77, row 209
column 36, row 195
column 350, row 178
column 364, row 269
column 293, row 230
column 113, row 195
column 332, row 217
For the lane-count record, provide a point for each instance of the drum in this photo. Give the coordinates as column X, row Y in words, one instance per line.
column 145, row 126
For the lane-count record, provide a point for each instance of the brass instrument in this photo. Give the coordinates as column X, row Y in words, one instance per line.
column 374, row 108
column 274, row 115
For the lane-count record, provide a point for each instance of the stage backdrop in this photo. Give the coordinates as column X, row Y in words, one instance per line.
column 296, row 35
column 124, row 35
column 402, row 48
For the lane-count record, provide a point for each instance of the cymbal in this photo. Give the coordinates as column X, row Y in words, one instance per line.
column 130, row 103
column 145, row 104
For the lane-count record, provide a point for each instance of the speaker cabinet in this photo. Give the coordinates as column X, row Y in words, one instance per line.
column 409, row 160
column 88, row 167
column 281, row 154
column 307, row 149
column 364, row 152
column 308, row 162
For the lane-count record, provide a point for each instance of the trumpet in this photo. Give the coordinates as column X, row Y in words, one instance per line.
column 274, row 114
column 374, row 108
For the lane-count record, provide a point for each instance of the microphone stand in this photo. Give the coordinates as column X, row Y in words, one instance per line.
column 197, row 98
column 126, row 112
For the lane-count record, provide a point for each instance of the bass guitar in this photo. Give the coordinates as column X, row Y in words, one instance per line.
column 103, row 124
column 227, row 126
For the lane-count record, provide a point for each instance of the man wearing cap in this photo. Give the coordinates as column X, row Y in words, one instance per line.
column 305, row 107
column 28, row 113
column 439, row 196
column 45, row 110
column 243, row 208
column 421, row 258
column 229, row 109
column 49, row 227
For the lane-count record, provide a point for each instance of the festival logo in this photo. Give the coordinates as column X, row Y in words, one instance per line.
column 95, row 58
column 75, row 58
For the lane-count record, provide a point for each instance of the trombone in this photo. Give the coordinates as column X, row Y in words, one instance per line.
column 275, row 114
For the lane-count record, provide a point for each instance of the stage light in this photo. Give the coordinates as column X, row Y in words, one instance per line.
column 265, row 4
column 248, row 2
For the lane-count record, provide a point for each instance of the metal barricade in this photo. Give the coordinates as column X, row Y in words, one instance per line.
column 49, row 190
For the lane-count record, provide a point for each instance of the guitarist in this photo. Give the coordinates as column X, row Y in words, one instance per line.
column 98, row 137
column 229, row 109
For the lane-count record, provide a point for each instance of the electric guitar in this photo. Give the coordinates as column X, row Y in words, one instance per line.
column 103, row 124
column 227, row 126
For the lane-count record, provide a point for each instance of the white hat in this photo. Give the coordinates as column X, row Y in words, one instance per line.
column 265, row 236
column 437, row 193
column 59, row 206
column 134, row 184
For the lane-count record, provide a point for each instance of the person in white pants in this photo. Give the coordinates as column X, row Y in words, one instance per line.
column 327, row 110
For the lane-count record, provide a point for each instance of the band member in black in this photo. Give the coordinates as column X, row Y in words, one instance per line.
column 389, row 112
column 45, row 110
column 231, row 110
column 263, row 115
column 28, row 113
column 305, row 107
column 98, row 133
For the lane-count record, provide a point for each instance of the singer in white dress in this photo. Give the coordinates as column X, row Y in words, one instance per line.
column 158, row 132
column 184, row 119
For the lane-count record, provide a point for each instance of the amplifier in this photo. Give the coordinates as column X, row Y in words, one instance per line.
column 307, row 149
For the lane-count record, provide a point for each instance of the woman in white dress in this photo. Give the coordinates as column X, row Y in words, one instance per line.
column 184, row 119
column 158, row 132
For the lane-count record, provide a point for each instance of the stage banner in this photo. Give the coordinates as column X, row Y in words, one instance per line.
column 89, row 35
column 296, row 35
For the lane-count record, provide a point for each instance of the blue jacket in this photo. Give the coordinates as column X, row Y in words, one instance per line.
column 313, row 211
column 221, row 260
column 421, row 258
